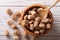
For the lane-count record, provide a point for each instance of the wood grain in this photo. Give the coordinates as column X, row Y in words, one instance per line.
column 25, row 2
column 19, row 5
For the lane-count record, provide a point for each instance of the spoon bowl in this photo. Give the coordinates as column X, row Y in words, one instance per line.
column 27, row 9
column 43, row 13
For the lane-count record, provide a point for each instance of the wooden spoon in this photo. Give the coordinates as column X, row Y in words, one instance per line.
column 44, row 12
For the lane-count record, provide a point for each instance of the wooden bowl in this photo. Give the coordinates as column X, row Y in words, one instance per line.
column 28, row 8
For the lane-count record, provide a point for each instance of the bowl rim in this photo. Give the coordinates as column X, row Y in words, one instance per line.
column 27, row 8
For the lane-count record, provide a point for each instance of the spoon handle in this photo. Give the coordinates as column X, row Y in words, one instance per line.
column 56, row 1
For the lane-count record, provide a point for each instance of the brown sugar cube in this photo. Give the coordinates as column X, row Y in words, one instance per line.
column 39, row 9
column 25, row 17
column 9, row 12
column 32, row 12
column 29, row 12
column 38, row 19
column 36, row 27
column 6, row 33
column 48, row 26
column 42, row 31
column 37, row 32
column 16, row 38
column 16, row 32
column 32, row 21
column 12, row 25
column 16, row 16
column 10, row 22
column 42, row 25
column 31, row 26
column 25, row 23
column 34, row 15
column 19, row 21
column 47, row 20
column 34, row 9
column 36, row 24
column 30, row 17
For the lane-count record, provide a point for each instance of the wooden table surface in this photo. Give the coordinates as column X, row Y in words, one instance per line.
column 19, row 5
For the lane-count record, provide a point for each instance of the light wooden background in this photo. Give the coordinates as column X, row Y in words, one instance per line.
column 18, row 5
